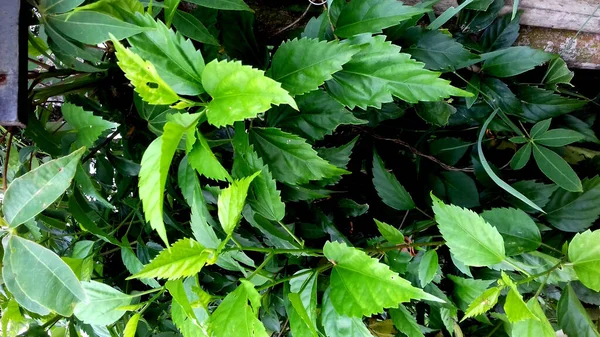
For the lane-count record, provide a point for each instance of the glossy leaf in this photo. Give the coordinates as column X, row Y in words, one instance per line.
column 189, row 26
column 501, row 34
column 556, row 168
column 58, row 6
column 389, row 189
column 390, row 233
column 301, row 305
column 228, row 5
column 540, row 104
column 87, row 127
column 557, row 73
column 102, row 307
column 483, row 303
column 513, row 61
column 405, row 322
column 534, row 327
column 521, row 157
column 231, row 202
column 584, row 253
column 558, row 137
column 336, row 325
column 203, row 160
column 575, row 211
column 518, row 230
column 428, row 267
column 572, row 316
column 436, row 49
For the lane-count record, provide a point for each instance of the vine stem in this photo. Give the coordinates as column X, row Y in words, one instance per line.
column 261, row 266
column 285, row 279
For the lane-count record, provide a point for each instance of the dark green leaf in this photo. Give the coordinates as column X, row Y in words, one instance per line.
column 520, row 233
column 460, row 188
column 389, row 189
column 558, row 137
column 540, row 104
column 500, row 95
column 557, row 73
column 521, row 157
column 228, row 5
column 513, row 61
column 405, row 322
column 501, row 34
column 572, row 316
column 436, row 113
column 474, row 87
column 556, row 168
column 575, row 211
column 539, row 193
column 189, row 26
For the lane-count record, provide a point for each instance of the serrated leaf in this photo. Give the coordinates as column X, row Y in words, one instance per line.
column 575, row 211
column 237, row 314
column 519, row 231
column 301, row 304
column 189, row 26
column 25, row 263
column 467, row 290
column 102, row 307
column 521, row 157
column 175, row 58
column 558, row 137
column 289, row 157
column 203, row 160
column 557, row 73
column 318, row 115
column 502, row 33
column 390, row 233
column 379, row 71
column 185, row 257
column 515, row 308
column 299, row 72
column 362, row 286
column 437, row 50
column 556, row 168
column 87, row 127
column 228, row 5
column 144, row 77
column 239, row 92
column 336, row 325
column 58, row 6
column 405, row 322
column 539, row 327
column 572, row 316
column 231, row 202
column 33, row 192
column 483, row 303
column 389, row 189
column 428, row 267
column 371, row 16
column 131, row 326
column 513, row 61
column 584, row 253
column 435, row 113
column 471, row 239
column 540, row 104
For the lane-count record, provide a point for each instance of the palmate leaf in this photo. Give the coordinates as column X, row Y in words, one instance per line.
column 389, row 189
column 231, row 202
column 33, row 192
column 371, row 16
column 379, row 71
column 87, row 127
column 336, row 325
column 584, row 253
column 239, row 92
column 144, row 77
column 519, row 231
column 575, row 211
column 295, row 66
column 471, row 239
column 185, row 257
column 362, row 286
column 102, row 307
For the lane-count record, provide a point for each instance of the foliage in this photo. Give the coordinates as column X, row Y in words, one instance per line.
column 378, row 172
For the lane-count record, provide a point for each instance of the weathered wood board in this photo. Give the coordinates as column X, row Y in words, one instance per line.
column 12, row 67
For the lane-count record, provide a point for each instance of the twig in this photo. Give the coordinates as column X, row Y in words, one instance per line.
column 8, row 147
column 93, row 151
column 293, row 23
column 41, row 64
column 284, row 328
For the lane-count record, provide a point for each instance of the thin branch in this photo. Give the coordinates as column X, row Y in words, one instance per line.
column 293, row 23
column 97, row 148
column 41, row 64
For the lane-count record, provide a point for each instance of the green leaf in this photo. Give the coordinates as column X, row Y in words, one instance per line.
column 362, row 286
column 447, row 15
column 437, row 50
column 515, row 308
column 301, row 304
column 467, row 290
column 185, row 257
column 405, row 322
column 92, row 27
column 540, row 127
column 144, row 77
column 134, row 265
column 231, row 202
column 501, row 34
column 170, row 9
column 521, row 157
column 556, row 168
column 390, row 233
column 483, row 303
column 557, row 73
column 228, row 5
column 436, row 113
column 428, row 267
column 513, row 61
column 318, row 115
column 371, row 16
column 239, row 92
column 103, row 305
column 500, row 96
column 131, row 326
column 474, row 87
column 25, row 264
column 539, row 327
column 540, row 104
column 336, row 325
column 33, row 192
column 86, row 126
column 175, row 58
column 295, row 66
column 539, row 193
column 572, row 316
column 449, row 150
column 471, row 239
column 379, row 71
column 389, row 189
column 558, row 137
column 203, row 160
column 289, row 157
column 189, row 26
column 519, row 231
column 237, row 314
column 58, row 6
column 575, row 211
column 460, row 188
column 584, row 253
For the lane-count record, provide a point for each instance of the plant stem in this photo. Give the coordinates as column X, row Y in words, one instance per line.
column 285, row 279
column 546, row 272
column 277, row 251
column 261, row 266
column 300, row 242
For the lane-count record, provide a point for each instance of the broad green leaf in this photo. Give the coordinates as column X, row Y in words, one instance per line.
column 575, row 211
column 557, row 73
column 375, row 117
column 558, row 137
column 580, row 126
column 476, row 21
column 483, row 303
column 539, row 193
column 573, row 319
column 290, row 159
column 540, row 128
column 58, row 6
column 379, row 71
column 513, row 61
column 121, row 9
column 319, row 27
column 501, row 34
column 539, row 327
column 521, row 157
column 231, row 202
column 301, row 304
column 516, row 310
column 389, row 189
column 467, row 290
column 86, row 126
column 12, row 319
column 131, row 326
column 461, row 189
column 390, row 233
column 102, row 307
column 584, row 253
column 185, row 257
column 405, row 322
column 498, row 96
column 471, row 239
column 239, row 92
column 237, row 314
column 175, row 58
column 336, row 325
column 436, row 113
column 134, row 265
column 474, row 87
column 144, row 77
column 371, row 16
column 449, row 150
column 295, row 66
column 228, row 5
column 540, row 104
column 338, row 156
column 318, row 115
column 92, row 27
column 28, row 264
column 362, row 286
column 33, row 192
column 428, row 267
column 189, row 26
column 438, row 50
column 519, row 231
column 556, row 168
column 203, row 160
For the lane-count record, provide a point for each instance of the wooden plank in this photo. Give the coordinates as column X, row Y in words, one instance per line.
column 12, row 71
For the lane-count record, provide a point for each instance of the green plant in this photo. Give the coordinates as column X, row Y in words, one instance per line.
column 236, row 191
